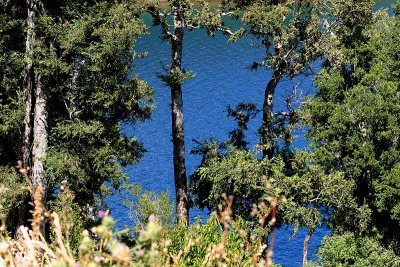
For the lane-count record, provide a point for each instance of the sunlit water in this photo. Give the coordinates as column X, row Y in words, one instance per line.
column 222, row 78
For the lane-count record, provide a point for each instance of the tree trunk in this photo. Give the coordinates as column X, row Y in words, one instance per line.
column 40, row 139
column 35, row 121
column 182, row 205
column 268, row 115
column 268, row 105
column 305, row 248
column 29, row 82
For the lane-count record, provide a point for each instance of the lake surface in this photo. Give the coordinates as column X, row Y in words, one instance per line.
column 222, row 79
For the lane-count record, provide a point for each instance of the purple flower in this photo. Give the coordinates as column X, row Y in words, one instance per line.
column 101, row 213
column 53, row 260
column 77, row 264
column 140, row 252
column 152, row 218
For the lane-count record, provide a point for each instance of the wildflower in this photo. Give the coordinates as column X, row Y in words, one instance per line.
column 107, row 222
column 152, row 218
column 140, row 252
column 86, row 245
column 101, row 213
column 101, row 230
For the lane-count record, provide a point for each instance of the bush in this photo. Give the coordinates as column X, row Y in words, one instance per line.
column 142, row 204
column 14, row 195
column 356, row 251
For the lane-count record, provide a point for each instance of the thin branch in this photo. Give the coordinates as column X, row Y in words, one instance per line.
column 227, row 13
column 191, row 27
column 281, row 113
column 225, row 31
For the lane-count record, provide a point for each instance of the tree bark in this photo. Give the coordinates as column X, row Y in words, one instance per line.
column 268, row 105
column 40, row 139
column 268, row 115
column 305, row 248
column 29, row 82
column 35, row 121
column 182, row 205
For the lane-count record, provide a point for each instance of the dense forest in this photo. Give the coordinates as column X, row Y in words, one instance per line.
column 68, row 87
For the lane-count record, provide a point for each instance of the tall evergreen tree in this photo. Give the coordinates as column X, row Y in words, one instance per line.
column 354, row 118
column 342, row 29
column 185, row 16
column 77, row 89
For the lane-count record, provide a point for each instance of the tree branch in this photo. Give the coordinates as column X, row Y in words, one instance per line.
column 225, row 31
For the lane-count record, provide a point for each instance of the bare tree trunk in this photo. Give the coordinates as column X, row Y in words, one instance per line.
column 40, row 139
column 182, row 205
column 35, row 121
column 268, row 115
column 29, row 82
column 305, row 248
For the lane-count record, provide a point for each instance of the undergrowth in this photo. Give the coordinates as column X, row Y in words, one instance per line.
column 220, row 241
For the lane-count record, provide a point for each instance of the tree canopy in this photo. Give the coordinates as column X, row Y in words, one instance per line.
column 353, row 118
column 82, row 52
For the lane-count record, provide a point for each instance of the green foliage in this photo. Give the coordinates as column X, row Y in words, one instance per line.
column 144, row 204
column 290, row 32
column 219, row 241
column 388, row 193
column 242, row 114
column 11, row 65
column 196, row 13
column 11, row 116
column 396, row 8
column 358, row 251
column 13, row 194
column 103, row 96
column 353, row 119
column 237, row 173
column 72, row 223
column 310, row 197
column 83, row 52
column 176, row 77
column 314, row 198
column 196, row 240
column 348, row 181
column 292, row 35
column 201, row 14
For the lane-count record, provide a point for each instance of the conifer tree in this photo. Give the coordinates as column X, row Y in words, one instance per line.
column 185, row 16
column 290, row 32
column 353, row 119
column 67, row 85
column 295, row 35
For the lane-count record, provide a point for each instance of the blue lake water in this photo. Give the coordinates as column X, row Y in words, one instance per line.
column 222, row 78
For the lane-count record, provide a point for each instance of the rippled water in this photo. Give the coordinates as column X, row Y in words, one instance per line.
column 222, row 78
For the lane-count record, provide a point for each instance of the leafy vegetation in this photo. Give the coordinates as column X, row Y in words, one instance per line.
column 83, row 55
column 353, row 116
column 221, row 240
column 68, row 85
